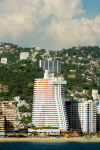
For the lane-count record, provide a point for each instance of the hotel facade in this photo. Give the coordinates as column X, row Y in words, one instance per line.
column 82, row 115
column 7, row 116
column 48, row 102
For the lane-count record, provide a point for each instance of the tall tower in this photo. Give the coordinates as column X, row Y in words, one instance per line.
column 48, row 102
column 82, row 115
column 53, row 65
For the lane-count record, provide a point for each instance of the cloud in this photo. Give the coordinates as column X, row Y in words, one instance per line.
column 62, row 9
column 49, row 24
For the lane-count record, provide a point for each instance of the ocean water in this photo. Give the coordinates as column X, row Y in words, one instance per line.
column 50, row 146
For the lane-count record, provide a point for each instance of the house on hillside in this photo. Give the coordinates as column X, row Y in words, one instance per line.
column 24, row 55
column 3, row 60
column 7, row 46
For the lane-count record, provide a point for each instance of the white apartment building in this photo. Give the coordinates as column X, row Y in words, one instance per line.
column 24, row 114
column 17, row 98
column 95, row 95
column 35, row 53
column 98, row 115
column 37, row 48
column 21, row 103
column 3, row 60
column 82, row 115
column 24, row 55
column 48, row 102
column 9, row 112
column 51, row 132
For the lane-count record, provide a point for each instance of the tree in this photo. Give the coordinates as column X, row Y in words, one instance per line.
column 34, row 133
column 22, row 108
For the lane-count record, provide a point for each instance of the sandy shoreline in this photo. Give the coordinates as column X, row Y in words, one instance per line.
column 48, row 140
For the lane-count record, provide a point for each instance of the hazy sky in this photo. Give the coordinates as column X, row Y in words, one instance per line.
column 50, row 24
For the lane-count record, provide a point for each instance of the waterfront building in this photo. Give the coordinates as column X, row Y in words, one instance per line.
column 50, row 132
column 2, row 122
column 2, row 126
column 48, row 102
column 8, row 111
column 53, row 65
column 98, row 114
column 82, row 115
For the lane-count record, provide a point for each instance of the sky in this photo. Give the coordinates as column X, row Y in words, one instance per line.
column 50, row 24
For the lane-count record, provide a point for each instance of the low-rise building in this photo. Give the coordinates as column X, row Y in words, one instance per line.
column 67, row 54
column 1, row 51
column 72, row 70
column 35, row 53
column 71, row 76
column 85, row 92
column 95, row 95
column 77, row 48
column 24, row 55
column 37, row 48
column 51, row 132
column 7, row 46
column 80, row 58
column 21, row 103
column 3, row 60
column 17, row 98
column 24, row 114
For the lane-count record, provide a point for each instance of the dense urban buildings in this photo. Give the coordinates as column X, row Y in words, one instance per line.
column 53, row 65
column 80, row 68
column 48, row 103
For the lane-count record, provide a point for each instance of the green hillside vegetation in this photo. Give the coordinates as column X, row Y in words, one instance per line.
column 17, row 77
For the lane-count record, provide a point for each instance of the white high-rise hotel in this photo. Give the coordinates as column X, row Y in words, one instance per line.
column 48, row 102
column 82, row 115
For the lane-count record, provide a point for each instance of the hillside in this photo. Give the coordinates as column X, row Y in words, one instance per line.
column 80, row 67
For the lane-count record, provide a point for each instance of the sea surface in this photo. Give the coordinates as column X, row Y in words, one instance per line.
column 50, row 146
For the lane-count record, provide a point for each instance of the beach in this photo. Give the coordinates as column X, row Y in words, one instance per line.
column 48, row 140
